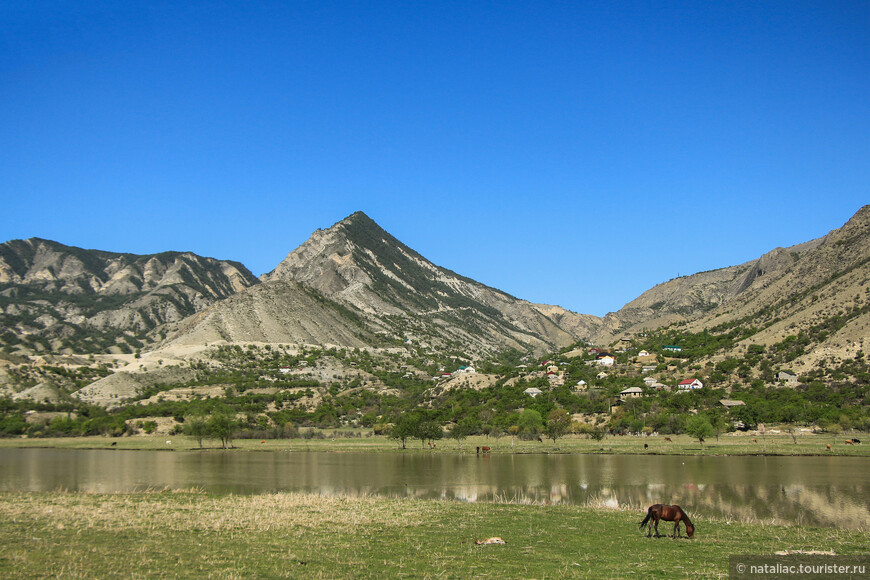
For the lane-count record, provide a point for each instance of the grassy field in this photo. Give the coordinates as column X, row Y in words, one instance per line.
column 194, row 535
column 731, row 444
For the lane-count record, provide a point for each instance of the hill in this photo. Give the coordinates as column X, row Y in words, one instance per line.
column 814, row 295
column 57, row 298
column 354, row 284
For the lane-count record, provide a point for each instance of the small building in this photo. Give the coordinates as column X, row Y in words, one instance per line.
column 672, row 348
column 631, row 393
column 643, row 353
column 690, row 384
column 788, row 378
column 601, row 376
column 533, row 392
column 649, row 381
column 581, row 385
column 606, row 361
column 729, row 403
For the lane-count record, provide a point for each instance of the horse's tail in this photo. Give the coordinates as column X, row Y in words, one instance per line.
column 646, row 519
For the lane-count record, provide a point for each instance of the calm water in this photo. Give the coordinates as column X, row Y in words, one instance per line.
column 828, row 491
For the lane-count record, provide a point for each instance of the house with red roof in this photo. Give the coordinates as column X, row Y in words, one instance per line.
column 690, row 384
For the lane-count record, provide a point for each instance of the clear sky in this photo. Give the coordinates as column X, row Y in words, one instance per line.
column 566, row 152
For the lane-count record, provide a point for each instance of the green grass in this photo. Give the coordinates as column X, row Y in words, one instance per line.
column 742, row 444
column 195, row 535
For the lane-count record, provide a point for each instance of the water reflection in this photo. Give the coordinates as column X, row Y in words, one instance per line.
column 826, row 491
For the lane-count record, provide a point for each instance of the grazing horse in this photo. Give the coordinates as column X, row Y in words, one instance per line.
column 669, row 513
column 484, row 449
column 849, row 442
column 829, row 447
column 858, row 441
column 668, row 439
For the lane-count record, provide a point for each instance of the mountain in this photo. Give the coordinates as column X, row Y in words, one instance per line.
column 61, row 298
column 817, row 292
column 355, row 284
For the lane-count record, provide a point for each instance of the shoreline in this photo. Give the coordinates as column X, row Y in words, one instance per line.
column 727, row 445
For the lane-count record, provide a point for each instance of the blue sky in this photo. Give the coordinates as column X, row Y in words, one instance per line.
column 571, row 153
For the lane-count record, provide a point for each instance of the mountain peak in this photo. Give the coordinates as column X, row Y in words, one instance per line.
column 359, row 265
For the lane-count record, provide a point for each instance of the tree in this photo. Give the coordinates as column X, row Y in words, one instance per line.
column 558, row 423
column 196, row 426
column 429, row 431
column 222, row 426
column 405, row 427
column 462, row 429
column 699, row 427
column 531, row 422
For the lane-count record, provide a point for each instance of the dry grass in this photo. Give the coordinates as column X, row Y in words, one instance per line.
column 195, row 534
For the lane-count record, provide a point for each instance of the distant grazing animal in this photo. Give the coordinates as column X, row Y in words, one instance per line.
column 669, row 513
column 755, row 440
column 858, row 441
column 489, row 541
column 646, row 445
column 114, row 443
column 540, row 440
column 829, row 447
column 484, row 449
column 668, row 439
column 849, row 442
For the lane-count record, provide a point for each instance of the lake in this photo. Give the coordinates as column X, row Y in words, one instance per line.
column 820, row 491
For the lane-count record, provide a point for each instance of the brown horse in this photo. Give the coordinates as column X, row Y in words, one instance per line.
column 669, row 513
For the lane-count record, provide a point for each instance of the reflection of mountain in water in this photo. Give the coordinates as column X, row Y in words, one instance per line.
column 816, row 491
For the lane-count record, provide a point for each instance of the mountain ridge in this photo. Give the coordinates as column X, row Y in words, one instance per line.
column 59, row 297
column 402, row 296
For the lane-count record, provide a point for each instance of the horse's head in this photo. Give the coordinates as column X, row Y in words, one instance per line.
column 690, row 530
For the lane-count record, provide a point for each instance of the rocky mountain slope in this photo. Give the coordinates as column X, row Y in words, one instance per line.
column 817, row 292
column 355, row 284
column 61, row 298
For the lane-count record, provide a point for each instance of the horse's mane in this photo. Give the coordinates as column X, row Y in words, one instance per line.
column 685, row 517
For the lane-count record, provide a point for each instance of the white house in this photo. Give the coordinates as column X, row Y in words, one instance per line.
column 690, row 384
column 606, row 361
column 533, row 392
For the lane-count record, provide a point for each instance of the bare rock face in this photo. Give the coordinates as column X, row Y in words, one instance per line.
column 397, row 291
